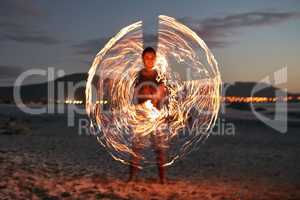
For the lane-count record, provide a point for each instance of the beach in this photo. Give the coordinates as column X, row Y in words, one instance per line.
column 53, row 161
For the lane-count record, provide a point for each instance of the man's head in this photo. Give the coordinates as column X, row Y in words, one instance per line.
column 149, row 56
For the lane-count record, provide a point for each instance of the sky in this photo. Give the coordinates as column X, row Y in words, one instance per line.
column 251, row 40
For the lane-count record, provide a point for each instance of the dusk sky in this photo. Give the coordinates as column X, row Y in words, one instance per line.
column 250, row 39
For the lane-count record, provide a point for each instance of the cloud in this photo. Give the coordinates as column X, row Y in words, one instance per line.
column 30, row 38
column 17, row 23
column 214, row 31
column 217, row 30
column 18, row 8
column 90, row 47
column 10, row 71
column 242, row 20
column 14, row 32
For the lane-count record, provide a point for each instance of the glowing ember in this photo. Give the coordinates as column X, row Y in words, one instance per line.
column 188, row 69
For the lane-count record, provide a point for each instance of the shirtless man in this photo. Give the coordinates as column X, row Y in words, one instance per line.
column 148, row 88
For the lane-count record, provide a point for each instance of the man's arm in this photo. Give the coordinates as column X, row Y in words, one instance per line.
column 161, row 95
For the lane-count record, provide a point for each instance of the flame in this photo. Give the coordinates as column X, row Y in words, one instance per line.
column 153, row 112
column 193, row 101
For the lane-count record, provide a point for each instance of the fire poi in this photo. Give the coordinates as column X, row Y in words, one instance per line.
column 190, row 73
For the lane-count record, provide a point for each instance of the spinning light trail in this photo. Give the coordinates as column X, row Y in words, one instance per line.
column 188, row 69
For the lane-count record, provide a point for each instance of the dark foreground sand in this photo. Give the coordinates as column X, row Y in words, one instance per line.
column 22, row 178
column 53, row 162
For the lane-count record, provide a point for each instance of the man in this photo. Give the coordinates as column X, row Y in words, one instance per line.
column 148, row 88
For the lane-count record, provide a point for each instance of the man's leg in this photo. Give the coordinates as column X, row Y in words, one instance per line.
column 160, row 157
column 161, row 168
column 133, row 168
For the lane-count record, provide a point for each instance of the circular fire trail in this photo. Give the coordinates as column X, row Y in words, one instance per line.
column 189, row 71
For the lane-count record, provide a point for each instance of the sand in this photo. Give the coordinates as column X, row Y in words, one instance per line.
column 54, row 162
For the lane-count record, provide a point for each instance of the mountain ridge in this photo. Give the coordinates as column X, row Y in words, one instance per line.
column 38, row 91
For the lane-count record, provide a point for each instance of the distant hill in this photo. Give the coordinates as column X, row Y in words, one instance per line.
column 244, row 89
column 38, row 92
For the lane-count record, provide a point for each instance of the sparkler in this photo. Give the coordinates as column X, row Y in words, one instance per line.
column 188, row 69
